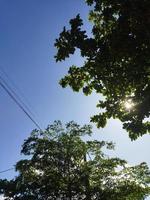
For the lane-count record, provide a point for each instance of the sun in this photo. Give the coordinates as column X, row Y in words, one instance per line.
column 128, row 104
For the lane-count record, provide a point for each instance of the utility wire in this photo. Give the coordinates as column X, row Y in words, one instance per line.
column 21, row 95
column 19, row 104
column 17, row 96
column 6, row 170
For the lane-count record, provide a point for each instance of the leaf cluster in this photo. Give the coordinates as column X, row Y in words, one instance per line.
column 117, row 61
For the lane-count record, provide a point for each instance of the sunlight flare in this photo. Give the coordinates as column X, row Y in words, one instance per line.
column 128, row 104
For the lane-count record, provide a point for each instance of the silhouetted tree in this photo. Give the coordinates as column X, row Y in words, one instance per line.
column 117, row 61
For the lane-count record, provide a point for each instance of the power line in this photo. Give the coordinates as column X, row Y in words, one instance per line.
column 21, row 94
column 18, row 97
column 6, row 170
column 19, row 104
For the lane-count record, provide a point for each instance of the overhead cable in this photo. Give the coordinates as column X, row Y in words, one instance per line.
column 14, row 88
column 6, row 170
column 19, row 104
column 16, row 95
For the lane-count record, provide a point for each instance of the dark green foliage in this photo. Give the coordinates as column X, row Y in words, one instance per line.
column 117, row 60
column 62, row 166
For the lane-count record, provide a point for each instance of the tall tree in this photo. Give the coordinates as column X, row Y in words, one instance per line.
column 61, row 164
column 117, row 61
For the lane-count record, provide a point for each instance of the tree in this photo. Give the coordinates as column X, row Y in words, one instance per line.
column 61, row 164
column 117, row 61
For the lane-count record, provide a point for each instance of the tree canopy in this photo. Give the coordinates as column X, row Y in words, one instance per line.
column 61, row 164
column 117, row 61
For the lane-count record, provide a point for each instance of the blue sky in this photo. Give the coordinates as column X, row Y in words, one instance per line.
column 28, row 31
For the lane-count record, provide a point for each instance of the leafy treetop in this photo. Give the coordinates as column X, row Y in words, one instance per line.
column 61, row 165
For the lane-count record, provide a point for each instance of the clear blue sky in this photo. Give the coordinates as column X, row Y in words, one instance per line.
column 28, row 31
